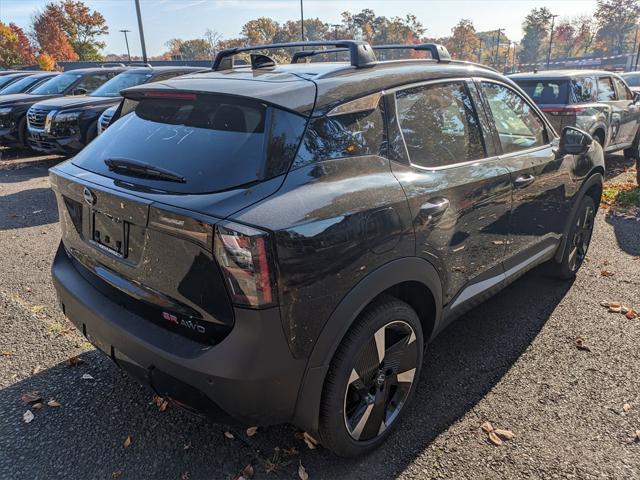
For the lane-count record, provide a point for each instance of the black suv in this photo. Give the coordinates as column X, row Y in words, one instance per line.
column 73, row 121
column 73, row 82
column 278, row 243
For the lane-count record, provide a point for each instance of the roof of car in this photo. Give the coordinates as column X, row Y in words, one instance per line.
column 85, row 71
column 292, row 85
column 557, row 74
column 171, row 68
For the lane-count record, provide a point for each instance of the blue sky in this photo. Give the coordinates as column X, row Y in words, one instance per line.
column 166, row 19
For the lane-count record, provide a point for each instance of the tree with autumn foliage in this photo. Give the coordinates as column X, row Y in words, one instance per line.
column 617, row 21
column 81, row 26
column 15, row 48
column 52, row 40
column 464, row 44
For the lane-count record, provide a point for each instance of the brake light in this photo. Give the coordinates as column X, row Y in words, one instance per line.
column 245, row 257
column 170, row 95
column 570, row 110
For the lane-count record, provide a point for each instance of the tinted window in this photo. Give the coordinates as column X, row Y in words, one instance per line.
column 23, row 85
column 8, row 79
column 214, row 142
column 439, row 124
column 56, row 85
column 120, row 82
column 632, row 80
column 606, row 93
column 519, row 127
column 584, row 89
column 167, row 76
column 546, row 91
column 623, row 91
column 91, row 82
column 343, row 136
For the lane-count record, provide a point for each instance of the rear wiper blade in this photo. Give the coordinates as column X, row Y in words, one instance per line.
column 141, row 169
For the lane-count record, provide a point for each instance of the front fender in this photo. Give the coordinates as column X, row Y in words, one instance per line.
column 408, row 269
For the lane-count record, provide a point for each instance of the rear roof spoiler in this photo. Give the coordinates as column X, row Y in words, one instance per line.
column 360, row 53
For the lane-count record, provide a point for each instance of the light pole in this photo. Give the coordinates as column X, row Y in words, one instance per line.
column 141, row 31
column 497, row 48
column 126, row 40
column 553, row 19
column 301, row 20
column 506, row 57
column 480, row 51
column 513, row 63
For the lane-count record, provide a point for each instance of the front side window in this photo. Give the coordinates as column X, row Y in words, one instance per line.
column 120, row 82
column 623, row 91
column 584, row 89
column 56, row 85
column 439, row 124
column 518, row 125
column 606, row 93
column 91, row 82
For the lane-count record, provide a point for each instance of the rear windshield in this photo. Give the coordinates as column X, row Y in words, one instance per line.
column 545, row 92
column 56, row 85
column 120, row 82
column 213, row 143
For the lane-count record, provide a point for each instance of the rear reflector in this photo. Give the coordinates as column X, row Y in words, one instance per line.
column 571, row 110
column 244, row 255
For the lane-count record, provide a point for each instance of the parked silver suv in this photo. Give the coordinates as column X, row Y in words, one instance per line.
column 597, row 102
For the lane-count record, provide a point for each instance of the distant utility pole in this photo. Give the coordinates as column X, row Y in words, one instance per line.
column 497, row 60
column 335, row 34
column 635, row 41
column 480, row 52
column 140, row 29
column 301, row 20
column 126, row 40
column 553, row 19
column 506, row 57
column 513, row 64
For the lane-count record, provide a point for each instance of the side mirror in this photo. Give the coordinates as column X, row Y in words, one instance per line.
column 79, row 91
column 574, row 141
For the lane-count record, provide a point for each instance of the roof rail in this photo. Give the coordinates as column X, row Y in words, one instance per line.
column 112, row 64
column 139, row 64
column 311, row 53
column 438, row 52
column 360, row 52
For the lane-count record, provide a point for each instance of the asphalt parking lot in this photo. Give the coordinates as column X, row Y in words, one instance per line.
column 513, row 362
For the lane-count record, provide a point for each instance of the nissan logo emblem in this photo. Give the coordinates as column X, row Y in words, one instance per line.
column 89, row 196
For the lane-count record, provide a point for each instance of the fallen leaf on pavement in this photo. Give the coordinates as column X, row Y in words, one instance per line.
column 637, row 437
column 35, row 370
column 31, row 397
column 311, row 442
column 36, row 406
column 37, row 308
column 495, row 439
column 7, row 354
column 163, row 406
column 486, row 427
column 54, row 403
column 229, row 435
column 185, row 476
column 117, row 473
column 247, row 472
column 614, row 307
column 86, row 376
column 251, row 431
column 504, row 434
column 302, row 472
column 626, row 407
column 127, row 442
column 581, row 346
column 631, row 314
column 74, row 361
column 606, row 273
column 27, row 416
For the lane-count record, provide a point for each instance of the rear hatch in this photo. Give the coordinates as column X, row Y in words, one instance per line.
column 139, row 206
column 554, row 98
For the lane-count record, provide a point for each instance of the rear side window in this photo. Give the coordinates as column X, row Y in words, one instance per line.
column 545, row 92
column 606, row 93
column 623, row 91
column 632, row 80
column 439, row 124
column 214, row 143
column 584, row 89
column 347, row 135
column 518, row 126
column 91, row 82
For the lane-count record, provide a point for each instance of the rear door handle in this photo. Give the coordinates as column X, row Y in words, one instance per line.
column 434, row 208
column 524, row 180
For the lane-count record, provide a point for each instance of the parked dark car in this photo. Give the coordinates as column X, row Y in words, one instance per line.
column 13, row 131
column 6, row 80
column 105, row 119
column 633, row 80
column 27, row 83
column 73, row 120
column 597, row 102
column 278, row 243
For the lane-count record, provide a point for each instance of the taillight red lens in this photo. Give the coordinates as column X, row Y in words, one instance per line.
column 244, row 254
column 571, row 110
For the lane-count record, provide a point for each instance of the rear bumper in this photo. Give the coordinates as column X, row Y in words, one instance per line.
column 250, row 376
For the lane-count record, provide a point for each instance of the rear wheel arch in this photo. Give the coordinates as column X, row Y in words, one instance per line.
column 411, row 279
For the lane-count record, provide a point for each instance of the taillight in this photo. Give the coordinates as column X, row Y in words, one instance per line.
column 571, row 110
column 245, row 257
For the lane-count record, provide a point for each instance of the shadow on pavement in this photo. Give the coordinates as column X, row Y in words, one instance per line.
column 617, row 164
column 28, row 208
column 627, row 231
column 83, row 438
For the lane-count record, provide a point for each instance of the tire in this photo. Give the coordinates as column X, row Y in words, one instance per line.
column 363, row 397
column 92, row 132
column 599, row 137
column 578, row 240
column 633, row 152
column 22, row 134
